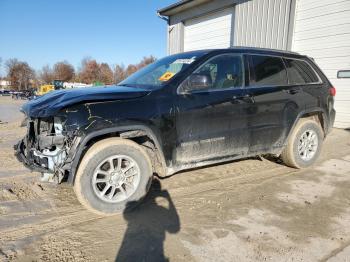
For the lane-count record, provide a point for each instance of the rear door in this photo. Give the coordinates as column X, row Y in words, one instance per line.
column 302, row 76
column 276, row 103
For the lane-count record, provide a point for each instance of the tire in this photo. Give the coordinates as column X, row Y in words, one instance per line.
column 291, row 155
column 90, row 192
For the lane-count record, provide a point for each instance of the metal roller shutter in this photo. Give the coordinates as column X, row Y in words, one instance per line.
column 209, row 31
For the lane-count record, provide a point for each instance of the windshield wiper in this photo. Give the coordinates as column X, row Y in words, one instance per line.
column 127, row 85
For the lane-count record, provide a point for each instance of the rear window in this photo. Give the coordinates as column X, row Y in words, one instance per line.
column 267, row 71
column 300, row 72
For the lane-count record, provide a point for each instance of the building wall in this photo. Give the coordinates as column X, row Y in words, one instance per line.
column 263, row 23
column 4, row 83
column 322, row 31
column 175, row 38
column 259, row 23
column 176, row 23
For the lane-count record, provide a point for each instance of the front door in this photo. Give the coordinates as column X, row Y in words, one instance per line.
column 211, row 123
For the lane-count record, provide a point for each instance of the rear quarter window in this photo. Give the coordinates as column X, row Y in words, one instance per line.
column 267, row 71
column 300, row 72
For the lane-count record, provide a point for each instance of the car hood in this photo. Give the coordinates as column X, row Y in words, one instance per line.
column 49, row 104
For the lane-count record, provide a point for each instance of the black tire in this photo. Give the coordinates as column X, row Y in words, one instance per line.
column 290, row 154
column 83, row 185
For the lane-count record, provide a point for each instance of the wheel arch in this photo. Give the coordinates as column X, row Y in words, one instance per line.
column 318, row 114
column 127, row 132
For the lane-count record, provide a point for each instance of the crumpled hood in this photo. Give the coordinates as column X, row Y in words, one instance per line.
column 49, row 104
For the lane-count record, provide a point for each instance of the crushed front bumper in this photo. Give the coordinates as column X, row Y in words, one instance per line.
column 27, row 158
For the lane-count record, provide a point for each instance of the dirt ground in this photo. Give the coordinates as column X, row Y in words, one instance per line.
column 250, row 210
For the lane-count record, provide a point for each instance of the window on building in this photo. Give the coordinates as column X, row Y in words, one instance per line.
column 299, row 72
column 225, row 71
column 267, row 71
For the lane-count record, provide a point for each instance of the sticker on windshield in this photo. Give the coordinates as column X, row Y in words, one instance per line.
column 166, row 76
column 184, row 61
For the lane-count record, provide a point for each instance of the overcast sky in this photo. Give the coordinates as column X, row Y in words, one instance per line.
column 113, row 31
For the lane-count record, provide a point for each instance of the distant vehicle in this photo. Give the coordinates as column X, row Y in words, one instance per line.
column 183, row 111
column 44, row 89
column 26, row 94
column 69, row 85
column 5, row 93
column 58, row 84
column 16, row 94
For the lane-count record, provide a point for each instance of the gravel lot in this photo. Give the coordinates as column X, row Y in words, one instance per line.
column 249, row 210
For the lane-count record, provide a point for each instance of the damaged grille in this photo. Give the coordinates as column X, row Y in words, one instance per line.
column 44, row 145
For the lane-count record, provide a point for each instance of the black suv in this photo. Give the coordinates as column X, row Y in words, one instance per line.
column 183, row 111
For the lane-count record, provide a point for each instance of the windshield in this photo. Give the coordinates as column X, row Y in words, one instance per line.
column 161, row 71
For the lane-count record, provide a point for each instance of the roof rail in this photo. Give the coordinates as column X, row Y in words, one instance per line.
column 264, row 49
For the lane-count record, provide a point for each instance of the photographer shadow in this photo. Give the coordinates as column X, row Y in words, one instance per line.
column 147, row 225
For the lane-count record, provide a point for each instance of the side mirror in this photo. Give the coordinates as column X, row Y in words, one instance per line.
column 197, row 82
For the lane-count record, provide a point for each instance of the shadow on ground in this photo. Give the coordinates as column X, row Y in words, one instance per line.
column 147, row 225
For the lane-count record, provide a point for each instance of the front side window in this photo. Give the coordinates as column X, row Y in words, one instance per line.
column 221, row 72
column 267, row 71
column 299, row 72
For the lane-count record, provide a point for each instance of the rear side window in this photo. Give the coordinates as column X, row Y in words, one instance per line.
column 267, row 71
column 300, row 72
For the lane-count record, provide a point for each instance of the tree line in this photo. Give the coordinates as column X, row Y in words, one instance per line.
column 22, row 76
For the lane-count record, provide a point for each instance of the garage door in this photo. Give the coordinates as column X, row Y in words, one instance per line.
column 209, row 31
column 322, row 31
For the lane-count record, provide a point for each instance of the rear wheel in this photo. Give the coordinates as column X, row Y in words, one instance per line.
column 114, row 175
column 304, row 144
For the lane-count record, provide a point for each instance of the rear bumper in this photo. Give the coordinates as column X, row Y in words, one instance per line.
column 332, row 114
column 27, row 158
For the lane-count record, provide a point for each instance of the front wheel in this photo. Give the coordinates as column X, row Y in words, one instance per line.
column 304, row 144
column 114, row 175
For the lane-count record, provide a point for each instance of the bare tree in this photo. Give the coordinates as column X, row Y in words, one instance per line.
column 20, row 74
column 46, row 74
column 63, row 71
column 146, row 61
column 119, row 73
column 106, row 74
column 130, row 70
column 90, row 71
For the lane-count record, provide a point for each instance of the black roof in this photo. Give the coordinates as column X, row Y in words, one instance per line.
column 255, row 50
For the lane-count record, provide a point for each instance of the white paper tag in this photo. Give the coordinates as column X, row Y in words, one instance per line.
column 184, row 61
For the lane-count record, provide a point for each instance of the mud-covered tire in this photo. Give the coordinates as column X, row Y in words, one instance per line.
column 84, row 186
column 290, row 154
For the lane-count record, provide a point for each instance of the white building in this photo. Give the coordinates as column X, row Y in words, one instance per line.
column 4, row 84
column 317, row 28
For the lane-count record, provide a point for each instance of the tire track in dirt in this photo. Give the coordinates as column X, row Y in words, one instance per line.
column 16, row 238
column 197, row 182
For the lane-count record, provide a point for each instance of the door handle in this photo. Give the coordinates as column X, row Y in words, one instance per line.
column 292, row 91
column 245, row 98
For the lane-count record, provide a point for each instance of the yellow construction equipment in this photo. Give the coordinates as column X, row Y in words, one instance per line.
column 44, row 89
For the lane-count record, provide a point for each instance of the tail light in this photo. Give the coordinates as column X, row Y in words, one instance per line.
column 332, row 91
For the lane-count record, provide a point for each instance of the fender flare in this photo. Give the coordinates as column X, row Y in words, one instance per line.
column 310, row 111
column 86, row 139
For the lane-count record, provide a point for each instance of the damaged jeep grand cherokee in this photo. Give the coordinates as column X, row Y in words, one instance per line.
column 181, row 112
